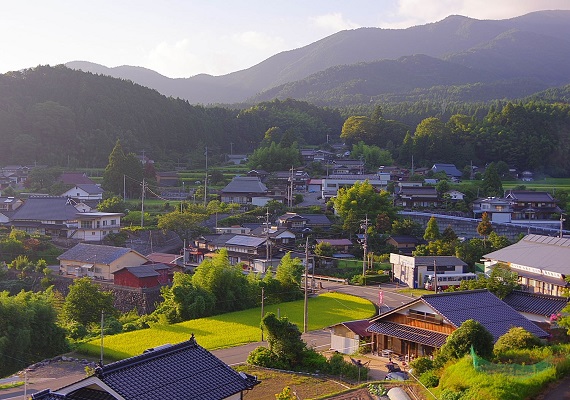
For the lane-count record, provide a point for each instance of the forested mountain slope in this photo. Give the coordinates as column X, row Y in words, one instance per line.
column 456, row 38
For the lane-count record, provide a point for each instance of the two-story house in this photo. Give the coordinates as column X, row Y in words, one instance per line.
column 243, row 189
column 412, row 197
column 531, row 205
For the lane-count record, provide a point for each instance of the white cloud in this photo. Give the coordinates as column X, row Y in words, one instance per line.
column 333, row 22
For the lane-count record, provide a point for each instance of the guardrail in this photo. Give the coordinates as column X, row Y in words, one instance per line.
column 327, row 278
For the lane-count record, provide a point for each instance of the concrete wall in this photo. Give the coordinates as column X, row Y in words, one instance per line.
column 467, row 227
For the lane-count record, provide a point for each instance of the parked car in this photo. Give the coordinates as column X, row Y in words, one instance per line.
column 397, row 376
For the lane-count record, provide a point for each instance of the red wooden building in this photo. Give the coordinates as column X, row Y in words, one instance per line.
column 142, row 276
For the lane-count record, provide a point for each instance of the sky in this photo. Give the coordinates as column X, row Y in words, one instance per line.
column 183, row 38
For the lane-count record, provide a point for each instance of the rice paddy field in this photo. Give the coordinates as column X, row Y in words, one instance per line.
column 233, row 329
column 547, row 184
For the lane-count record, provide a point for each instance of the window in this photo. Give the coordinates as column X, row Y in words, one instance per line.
column 113, row 222
column 105, row 222
column 86, row 224
column 92, row 233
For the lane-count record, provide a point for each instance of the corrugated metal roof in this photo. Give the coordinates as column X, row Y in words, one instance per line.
column 248, row 241
column 537, row 251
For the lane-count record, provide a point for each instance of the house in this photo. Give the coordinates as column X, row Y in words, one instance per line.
column 171, row 260
column 167, row 178
column 411, row 271
column 338, row 245
column 97, row 261
column 181, row 371
column 531, row 205
column 83, row 191
column 527, row 176
column 95, row 226
column 279, row 237
column 312, row 155
column 449, row 169
column 410, row 197
column 346, row 337
column 75, row 178
column 303, row 222
column 241, row 248
column 421, row 326
column 297, row 178
column 348, row 167
column 142, row 276
column 237, row 229
column 539, row 308
column 259, row 173
column 404, row 244
column 8, row 207
column 332, row 183
column 242, row 189
column 455, row 195
column 315, row 185
column 541, row 263
column 497, row 209
column 49, row 215
column 237, row 159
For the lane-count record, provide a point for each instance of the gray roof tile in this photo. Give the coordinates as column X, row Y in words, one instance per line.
column 534, row 303
column 245, row 184
column 84, row 252
column 50, row 208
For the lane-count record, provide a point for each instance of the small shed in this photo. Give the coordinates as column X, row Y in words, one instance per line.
column 346, row 336
column 142, row 276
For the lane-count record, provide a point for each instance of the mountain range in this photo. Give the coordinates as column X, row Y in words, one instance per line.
column 511, row 57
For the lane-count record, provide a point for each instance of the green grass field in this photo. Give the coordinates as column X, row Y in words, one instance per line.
column 547, row 184
column 232, row 329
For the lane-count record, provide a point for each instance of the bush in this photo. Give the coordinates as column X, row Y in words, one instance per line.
column 516, row 338
column 264, row 357
column 76, row 331
column 421, row 365
column 448, row 394
column 314, row 362
column 429, row 379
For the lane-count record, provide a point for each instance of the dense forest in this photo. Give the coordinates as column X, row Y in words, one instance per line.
column 58, row 116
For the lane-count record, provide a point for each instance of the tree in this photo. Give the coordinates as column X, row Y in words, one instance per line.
column 286, row 394
column 470, row 333
column 484, row 228
column 85, row 302
column 406, row 226
column 186, row 224
column 124, row 172
column 516, row 338
column 491, row 185
column 113, row 204
column 360, row 200
column 373, row 156
column 284, row 339
column 184, row 301
column 356, row 129
column 324, row 250
column 226, row 282
column 288, row 274
column 432, row 230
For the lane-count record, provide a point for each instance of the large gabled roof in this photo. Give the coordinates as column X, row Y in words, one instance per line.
column 536, row 251
column 46, row 208
column 529, row 195
column 75, row 178
column 480, row 305
column 181, row 371
column 245, row 184
column 94, row 253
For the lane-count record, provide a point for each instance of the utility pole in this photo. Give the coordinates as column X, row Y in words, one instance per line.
column 306, row 304
column 206, row 179
column 102, row 325
column 561, row 223
column 124, row 187
column 365, row 247
column 267, row 257
column 435, row 275
column 142, row 202
column 262, row 309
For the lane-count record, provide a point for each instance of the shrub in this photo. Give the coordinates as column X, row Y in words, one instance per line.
column 429, row 379
column 76, row 331
column 516, row 338
column 421, row 365
column 448, row 394
column 313, row 361
column 264, row 357
column 470, row 333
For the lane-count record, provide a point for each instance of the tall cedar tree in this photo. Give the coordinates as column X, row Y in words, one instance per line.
column 484, row 228
column 432, row 230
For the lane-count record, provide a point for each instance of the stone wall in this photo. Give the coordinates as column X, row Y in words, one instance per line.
column 467, row 227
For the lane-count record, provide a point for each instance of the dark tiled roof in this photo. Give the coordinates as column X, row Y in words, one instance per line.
column 74, row 178
column 182, row 371
column 47, row 208
column 84, row 252
column 90, row 188
column 359, row 327
column 529, row 195
column 140, row 271
column 317, row 219
column 534, row 303
column 335, row 242
column 417, row 335
column 439, row 260
column 245, row 184
column 482, row 306
column 404, row 239
column 449, row 169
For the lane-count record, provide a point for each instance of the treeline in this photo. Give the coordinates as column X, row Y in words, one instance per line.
column 59, row 116
column 532, row 135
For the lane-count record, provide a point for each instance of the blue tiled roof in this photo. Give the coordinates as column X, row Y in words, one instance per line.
column 534, row 303
column 46, row 208
column 91, row 253
column 482, row 306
